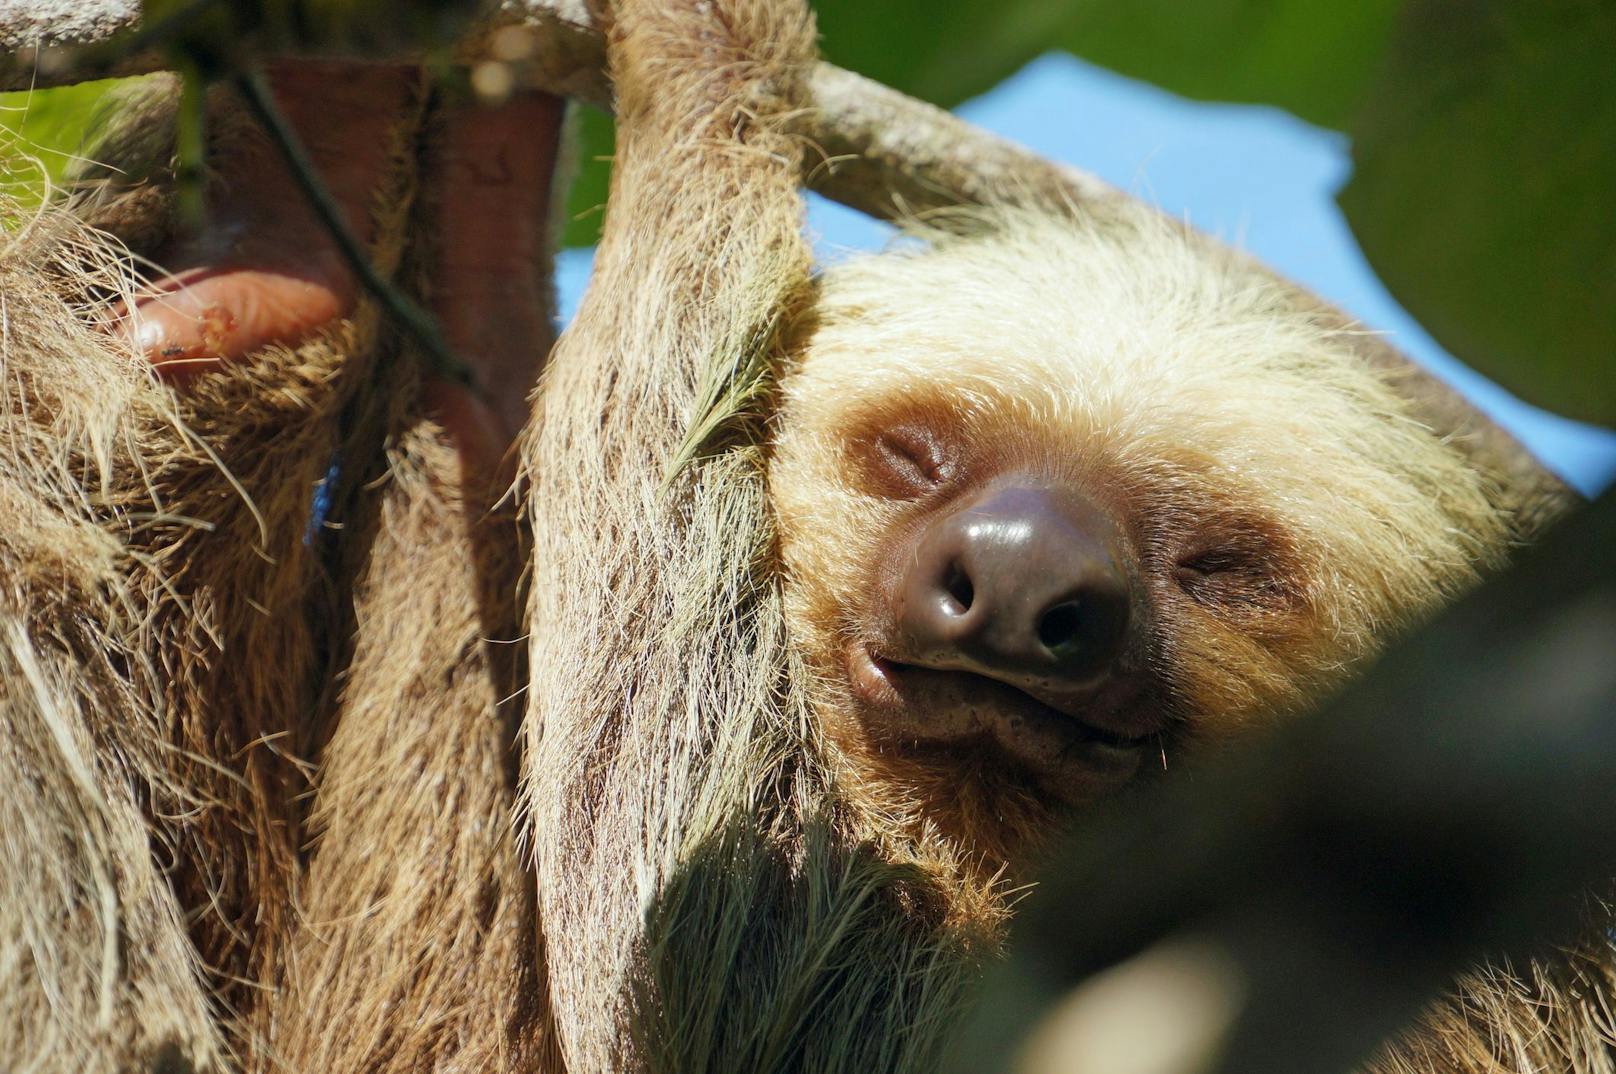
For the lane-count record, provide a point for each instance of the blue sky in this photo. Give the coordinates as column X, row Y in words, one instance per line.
column 1256, row 177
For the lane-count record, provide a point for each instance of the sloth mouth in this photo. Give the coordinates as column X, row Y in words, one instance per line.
column 1018, row 704
column 921, row 708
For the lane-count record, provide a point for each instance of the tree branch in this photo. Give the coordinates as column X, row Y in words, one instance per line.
column 879, row 151
column 49, row 27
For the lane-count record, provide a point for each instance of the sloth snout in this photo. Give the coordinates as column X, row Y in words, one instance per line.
column 1019, row 585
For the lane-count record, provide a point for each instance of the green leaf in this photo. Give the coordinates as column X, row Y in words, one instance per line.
column 1313, row 57
column 41, row 131
column 930, row 49
column 586, row 200
column 1486, row 166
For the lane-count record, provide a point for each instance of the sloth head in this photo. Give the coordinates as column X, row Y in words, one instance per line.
column 1059, row 499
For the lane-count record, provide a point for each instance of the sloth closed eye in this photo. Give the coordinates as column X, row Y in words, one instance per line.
column 1246, row 555
column 905, row 461
column 1244, row 571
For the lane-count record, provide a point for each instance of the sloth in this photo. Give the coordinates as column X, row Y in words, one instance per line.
column 1062, row 504
column 1032, row 510
column 1059, row 499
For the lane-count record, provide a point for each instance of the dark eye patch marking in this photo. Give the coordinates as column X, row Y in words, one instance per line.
column 1238, row 564
column 905, row 461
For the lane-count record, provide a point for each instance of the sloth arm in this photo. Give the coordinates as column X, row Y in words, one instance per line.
column 264, row 270
column 646, row 627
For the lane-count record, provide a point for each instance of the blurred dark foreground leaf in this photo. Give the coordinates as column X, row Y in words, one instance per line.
column 1458, row 801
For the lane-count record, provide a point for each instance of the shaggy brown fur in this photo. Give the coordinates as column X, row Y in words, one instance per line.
column 414, row 946
column 199, row 509
column 239, row 604
column 179, row 676
column 96, row 970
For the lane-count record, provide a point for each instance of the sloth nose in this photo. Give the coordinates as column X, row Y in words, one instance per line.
column 1019, row 585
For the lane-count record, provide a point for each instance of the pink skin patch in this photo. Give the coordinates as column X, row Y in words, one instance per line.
column 195, row 319
column 265, row 271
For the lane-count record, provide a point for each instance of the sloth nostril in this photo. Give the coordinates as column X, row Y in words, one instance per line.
column 1061, row 626
column 957, row 584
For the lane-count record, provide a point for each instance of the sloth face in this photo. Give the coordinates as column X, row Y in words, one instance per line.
column 1057, row 501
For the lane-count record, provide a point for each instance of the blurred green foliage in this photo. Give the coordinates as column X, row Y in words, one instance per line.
column 40, row 132
column 1310, row 56
column 1482, row 193
column 586, row 201
column 1484, row 134
column 1313, row 57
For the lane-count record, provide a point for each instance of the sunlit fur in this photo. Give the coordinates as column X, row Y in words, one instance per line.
column 1552, row 1014
column 414, row 945
column 1128, row 357
column 705, row 906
